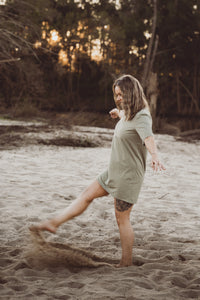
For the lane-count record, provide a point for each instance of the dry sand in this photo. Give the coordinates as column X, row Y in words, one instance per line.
column 37, row 181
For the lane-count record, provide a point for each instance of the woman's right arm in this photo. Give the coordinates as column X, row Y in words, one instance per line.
column 151, row 147
column 116, row 113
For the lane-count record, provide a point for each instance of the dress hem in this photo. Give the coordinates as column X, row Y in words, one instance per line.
column 112, row 194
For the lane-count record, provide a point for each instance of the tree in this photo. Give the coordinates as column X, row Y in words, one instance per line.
column 149, row 78
column 177, row 60
column 19, row 71
column 154, row 40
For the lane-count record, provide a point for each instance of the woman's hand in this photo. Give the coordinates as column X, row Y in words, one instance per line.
column 156, row 164
column 151, row 147
column 114, row 113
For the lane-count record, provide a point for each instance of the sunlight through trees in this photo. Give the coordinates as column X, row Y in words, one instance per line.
column 86, row 44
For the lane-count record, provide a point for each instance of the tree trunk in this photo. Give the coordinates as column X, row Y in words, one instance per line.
column 195, row 101
column 150, row 51
column 149, row 79
column 195, row 83
column 178, row 92
column 152, row 93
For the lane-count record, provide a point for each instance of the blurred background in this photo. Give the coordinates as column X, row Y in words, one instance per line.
column 63, row 55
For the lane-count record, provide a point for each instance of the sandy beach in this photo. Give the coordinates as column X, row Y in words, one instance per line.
column 38, row 180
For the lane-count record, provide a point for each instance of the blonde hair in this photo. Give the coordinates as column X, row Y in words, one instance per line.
column 133, row 95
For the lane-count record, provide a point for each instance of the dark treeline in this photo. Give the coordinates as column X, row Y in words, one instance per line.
column 62, row 55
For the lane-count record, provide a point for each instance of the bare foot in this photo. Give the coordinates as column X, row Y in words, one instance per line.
column 122, row 265
column 46, row 226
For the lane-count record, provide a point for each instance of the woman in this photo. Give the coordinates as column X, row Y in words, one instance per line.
column 123, row 179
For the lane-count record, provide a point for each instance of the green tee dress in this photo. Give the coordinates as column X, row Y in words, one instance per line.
column 124, row 177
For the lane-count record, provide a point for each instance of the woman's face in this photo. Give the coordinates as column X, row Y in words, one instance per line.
column 118, row 97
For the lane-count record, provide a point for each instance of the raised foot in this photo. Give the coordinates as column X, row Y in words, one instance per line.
column 45, row 226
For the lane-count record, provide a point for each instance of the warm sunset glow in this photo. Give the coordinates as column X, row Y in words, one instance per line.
column 147, row 35
column 44, row 34
column 96, row 50
column 81, row 30
column 134, row 50
column 62, row 57
column 45, row 28
column 64, row 61
column 45, row 24
column 55, row 38
column 93, row 45
column 37, row 44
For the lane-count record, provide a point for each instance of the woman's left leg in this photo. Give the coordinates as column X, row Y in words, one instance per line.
column 122, row 213
column 77, row 207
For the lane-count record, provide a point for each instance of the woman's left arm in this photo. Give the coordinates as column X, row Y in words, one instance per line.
column 151, row 147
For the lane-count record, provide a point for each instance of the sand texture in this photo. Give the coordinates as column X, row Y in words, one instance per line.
column 37, row 181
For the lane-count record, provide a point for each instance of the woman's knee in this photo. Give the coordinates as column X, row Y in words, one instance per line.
column 93, row 191
column 121, row 218
column 117, row 216
column 122, row 211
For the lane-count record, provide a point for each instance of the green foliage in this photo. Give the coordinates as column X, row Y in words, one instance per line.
column 83, row 83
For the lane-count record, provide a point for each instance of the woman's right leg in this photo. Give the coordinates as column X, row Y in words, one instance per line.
column 122, row 213
column 76, row 208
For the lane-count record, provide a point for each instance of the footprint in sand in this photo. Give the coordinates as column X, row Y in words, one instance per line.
column 19, row 288
column 15, row 252
column 3, row 280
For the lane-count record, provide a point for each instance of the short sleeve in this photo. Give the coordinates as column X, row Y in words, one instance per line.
column 144, row 125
